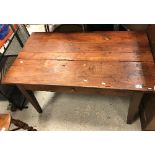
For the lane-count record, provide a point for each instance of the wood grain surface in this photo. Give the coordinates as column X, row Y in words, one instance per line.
column 108, row 60
column 5, row 121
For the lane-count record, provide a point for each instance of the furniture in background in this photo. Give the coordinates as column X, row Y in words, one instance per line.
column 135, row 27
column 115, row 63
column 6, row 120
column 83, row 27
column 46, row 26
column 94, row 27
column 69, row 28
column 103, row 27
column 147, row 109
column 9, row 48
column 64, row 28
column 147, row 112
column 99, row 27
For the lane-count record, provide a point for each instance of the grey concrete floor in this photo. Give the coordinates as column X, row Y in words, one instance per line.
column 76, row 112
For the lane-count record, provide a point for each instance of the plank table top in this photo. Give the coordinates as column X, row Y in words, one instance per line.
column 108, row 60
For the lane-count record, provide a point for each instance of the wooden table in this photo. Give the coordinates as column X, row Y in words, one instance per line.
column 117, row 63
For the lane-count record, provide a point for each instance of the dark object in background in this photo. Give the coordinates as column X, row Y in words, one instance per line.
column 6, row 120
column 68, row 28
column 16, row 99
column 151, row 37
column 8, row 55
column 99, row 27
column 147, row 112
column 147, row 109
column 103, row 27
column 21, row 125
column 4, row 30
column 9, row 92
column 135, row 27
column 84, row 27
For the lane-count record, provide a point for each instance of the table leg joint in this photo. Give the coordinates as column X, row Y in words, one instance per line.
column 30, row 97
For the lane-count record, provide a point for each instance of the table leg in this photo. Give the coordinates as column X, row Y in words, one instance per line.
column 134, row 106
column 30, row 97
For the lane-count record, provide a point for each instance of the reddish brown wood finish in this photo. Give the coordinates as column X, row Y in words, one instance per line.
column 92, row 74
column 151, row 36
column 90, row 56
column 75, row 62
column 5, row 121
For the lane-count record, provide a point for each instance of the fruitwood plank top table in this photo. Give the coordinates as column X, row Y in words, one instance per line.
column 118, row 63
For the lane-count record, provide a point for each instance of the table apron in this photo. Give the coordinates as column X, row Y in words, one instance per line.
column 78, row 90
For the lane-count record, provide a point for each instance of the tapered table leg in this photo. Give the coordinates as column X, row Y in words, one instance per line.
column 30, row 97
column 134, row 106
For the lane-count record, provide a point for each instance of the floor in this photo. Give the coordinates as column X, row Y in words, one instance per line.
column 75, row 112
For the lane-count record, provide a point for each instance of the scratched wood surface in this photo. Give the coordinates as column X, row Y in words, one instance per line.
column 108, row 60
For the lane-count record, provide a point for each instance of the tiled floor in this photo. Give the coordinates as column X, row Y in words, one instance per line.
column 75, row 112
